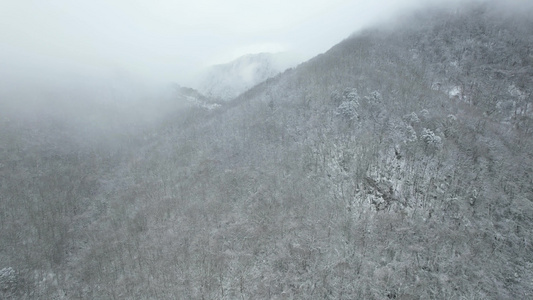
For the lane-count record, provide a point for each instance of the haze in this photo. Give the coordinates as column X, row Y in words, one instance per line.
column 164, row 41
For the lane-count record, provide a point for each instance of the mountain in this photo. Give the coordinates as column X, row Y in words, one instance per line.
column 397, row 165
column 226, row 81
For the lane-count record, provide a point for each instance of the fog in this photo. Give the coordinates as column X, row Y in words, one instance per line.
column 161, row 41
column 58, row 52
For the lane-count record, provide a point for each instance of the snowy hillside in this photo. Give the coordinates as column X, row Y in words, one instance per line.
column 397, row 165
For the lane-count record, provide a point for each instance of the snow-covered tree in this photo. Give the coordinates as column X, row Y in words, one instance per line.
column 349, row 108
column 411, row 118
column 431, row 139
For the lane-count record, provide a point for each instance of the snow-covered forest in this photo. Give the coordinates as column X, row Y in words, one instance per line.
column 397, row 165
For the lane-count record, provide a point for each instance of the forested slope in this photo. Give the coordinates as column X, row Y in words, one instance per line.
column 395, row 166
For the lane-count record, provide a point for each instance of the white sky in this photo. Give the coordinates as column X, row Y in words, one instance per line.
column 171, row 40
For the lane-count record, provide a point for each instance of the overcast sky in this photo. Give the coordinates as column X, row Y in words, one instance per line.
column 171, row 40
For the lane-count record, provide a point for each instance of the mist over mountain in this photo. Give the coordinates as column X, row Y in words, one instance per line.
column 397, row 165
column 226, row 81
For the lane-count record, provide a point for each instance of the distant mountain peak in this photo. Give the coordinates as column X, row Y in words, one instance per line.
column 227, row 81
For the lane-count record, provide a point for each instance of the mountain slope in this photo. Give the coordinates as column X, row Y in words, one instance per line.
column 395, row 166
column 367, row 172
